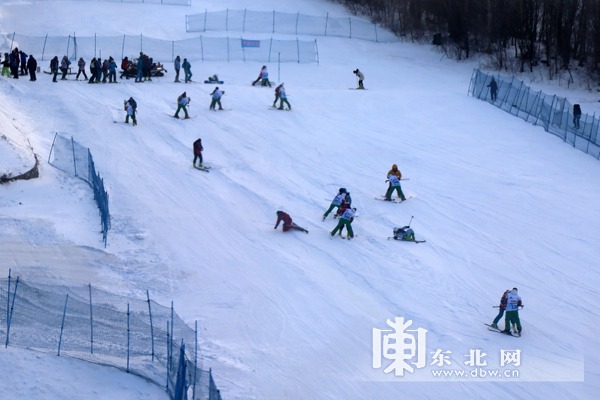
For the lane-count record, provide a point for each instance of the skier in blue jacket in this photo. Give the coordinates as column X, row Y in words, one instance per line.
column 140, row 68
column 112, row 71
column 337, row 202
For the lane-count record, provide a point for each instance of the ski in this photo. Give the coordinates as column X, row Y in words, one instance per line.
column 352, row 88
column 203, row 169
column 405, row 240
column 382, row 198
column 505, row 333
column 275, row 108
column 223, row 109
column 219, row 82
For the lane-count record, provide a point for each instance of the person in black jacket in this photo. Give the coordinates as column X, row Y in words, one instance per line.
column 14, row 63
column 493, row 89
column 54, row 68
column 31, row 67
column 92, row 70
column 98, row 69
column 576, row 116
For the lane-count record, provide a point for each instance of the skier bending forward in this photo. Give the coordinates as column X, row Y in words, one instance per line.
column 287, row 222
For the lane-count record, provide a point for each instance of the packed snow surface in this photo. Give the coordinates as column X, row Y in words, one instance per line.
column 500, row 202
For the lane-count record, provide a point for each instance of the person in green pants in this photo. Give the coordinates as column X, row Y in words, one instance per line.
column 346, row 219
column 394, row 185
column 513, row 302
column 337, row 202
column 182, row 102
column 283, row 98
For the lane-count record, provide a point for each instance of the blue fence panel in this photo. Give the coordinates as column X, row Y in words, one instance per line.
column 555, row 114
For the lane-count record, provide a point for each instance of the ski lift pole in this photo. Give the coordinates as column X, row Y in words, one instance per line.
column 278, row 67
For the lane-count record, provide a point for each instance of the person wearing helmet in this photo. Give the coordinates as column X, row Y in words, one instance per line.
column 394, row 185
column 277, row 95
column 283, row 98
column 346, row 220
column 264, row 67
column 216, row 98
column 198, row 153
column 182, row 102
column 502, row 308
column 288, row 225
column 337, row 202
column 265, row 77
column 513, row 302
column 361, row 77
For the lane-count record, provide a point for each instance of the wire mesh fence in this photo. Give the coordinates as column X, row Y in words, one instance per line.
column 554, row 113
column 138, row 336
column 71, row 157
column 287, row 23
column 198, row 48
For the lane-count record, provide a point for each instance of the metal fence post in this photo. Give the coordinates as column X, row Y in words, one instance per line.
column 244, row 23
column 172, row 338
column 168, row 356
column 205, row 12
column 11, row 311
column 8, row 297
column 91, row 323
column 12, row 41
column 273, row 21
column 508, row 91
column 551, row 114
column 68, row 43
column 270, row 47
column 62, row 325
column 128, row 337
column 298, row 46
column 567, row 124
column 44, row 48
column 226, row 19
column 95, row 54
column 202, row 48
column 483, row 85
column 195, row 361
column 317, row 48
column 350, row 21
column 50, row 154
column 73, row 148
column 326, row 21
column 243, row 51
column 151, row 327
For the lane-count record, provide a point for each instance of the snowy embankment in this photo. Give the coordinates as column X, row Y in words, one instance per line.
column 501, row 203
column 16, row 154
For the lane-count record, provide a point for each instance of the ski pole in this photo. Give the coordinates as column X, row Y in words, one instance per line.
column 409, row 222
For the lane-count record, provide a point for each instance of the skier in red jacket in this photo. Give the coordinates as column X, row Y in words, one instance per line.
column 287, row 222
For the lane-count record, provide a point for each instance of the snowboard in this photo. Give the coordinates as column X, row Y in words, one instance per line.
column 382, row 198
column 219, row 82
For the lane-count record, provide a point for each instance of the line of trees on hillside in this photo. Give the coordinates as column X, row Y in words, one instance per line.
column 557, row 33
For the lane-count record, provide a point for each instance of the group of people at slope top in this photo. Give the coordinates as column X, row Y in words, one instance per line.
column 187, row 69
column 510, row 302
column 16, row 58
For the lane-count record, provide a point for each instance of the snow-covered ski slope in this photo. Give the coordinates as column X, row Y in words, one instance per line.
column 500, row 202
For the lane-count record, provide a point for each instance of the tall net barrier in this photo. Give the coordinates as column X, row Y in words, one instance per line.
column 198, row 48
column 75, row 159
column 287, row 23
column 138, row 336
column 554, row 113
column 165, row 2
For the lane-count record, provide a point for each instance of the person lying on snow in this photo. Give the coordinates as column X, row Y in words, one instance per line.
column 287, row 222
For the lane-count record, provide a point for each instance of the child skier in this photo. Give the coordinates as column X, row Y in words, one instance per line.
column 394, row 185
column 216, row 98
column 287, row 222
column 277, row 95
column 260, row 75
column 182, row 102
column 361, row 77
column 198, row 153
column 337, row 202
column 283, row 98
column 513, row 302
column 130, row 107
column 346, row 220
